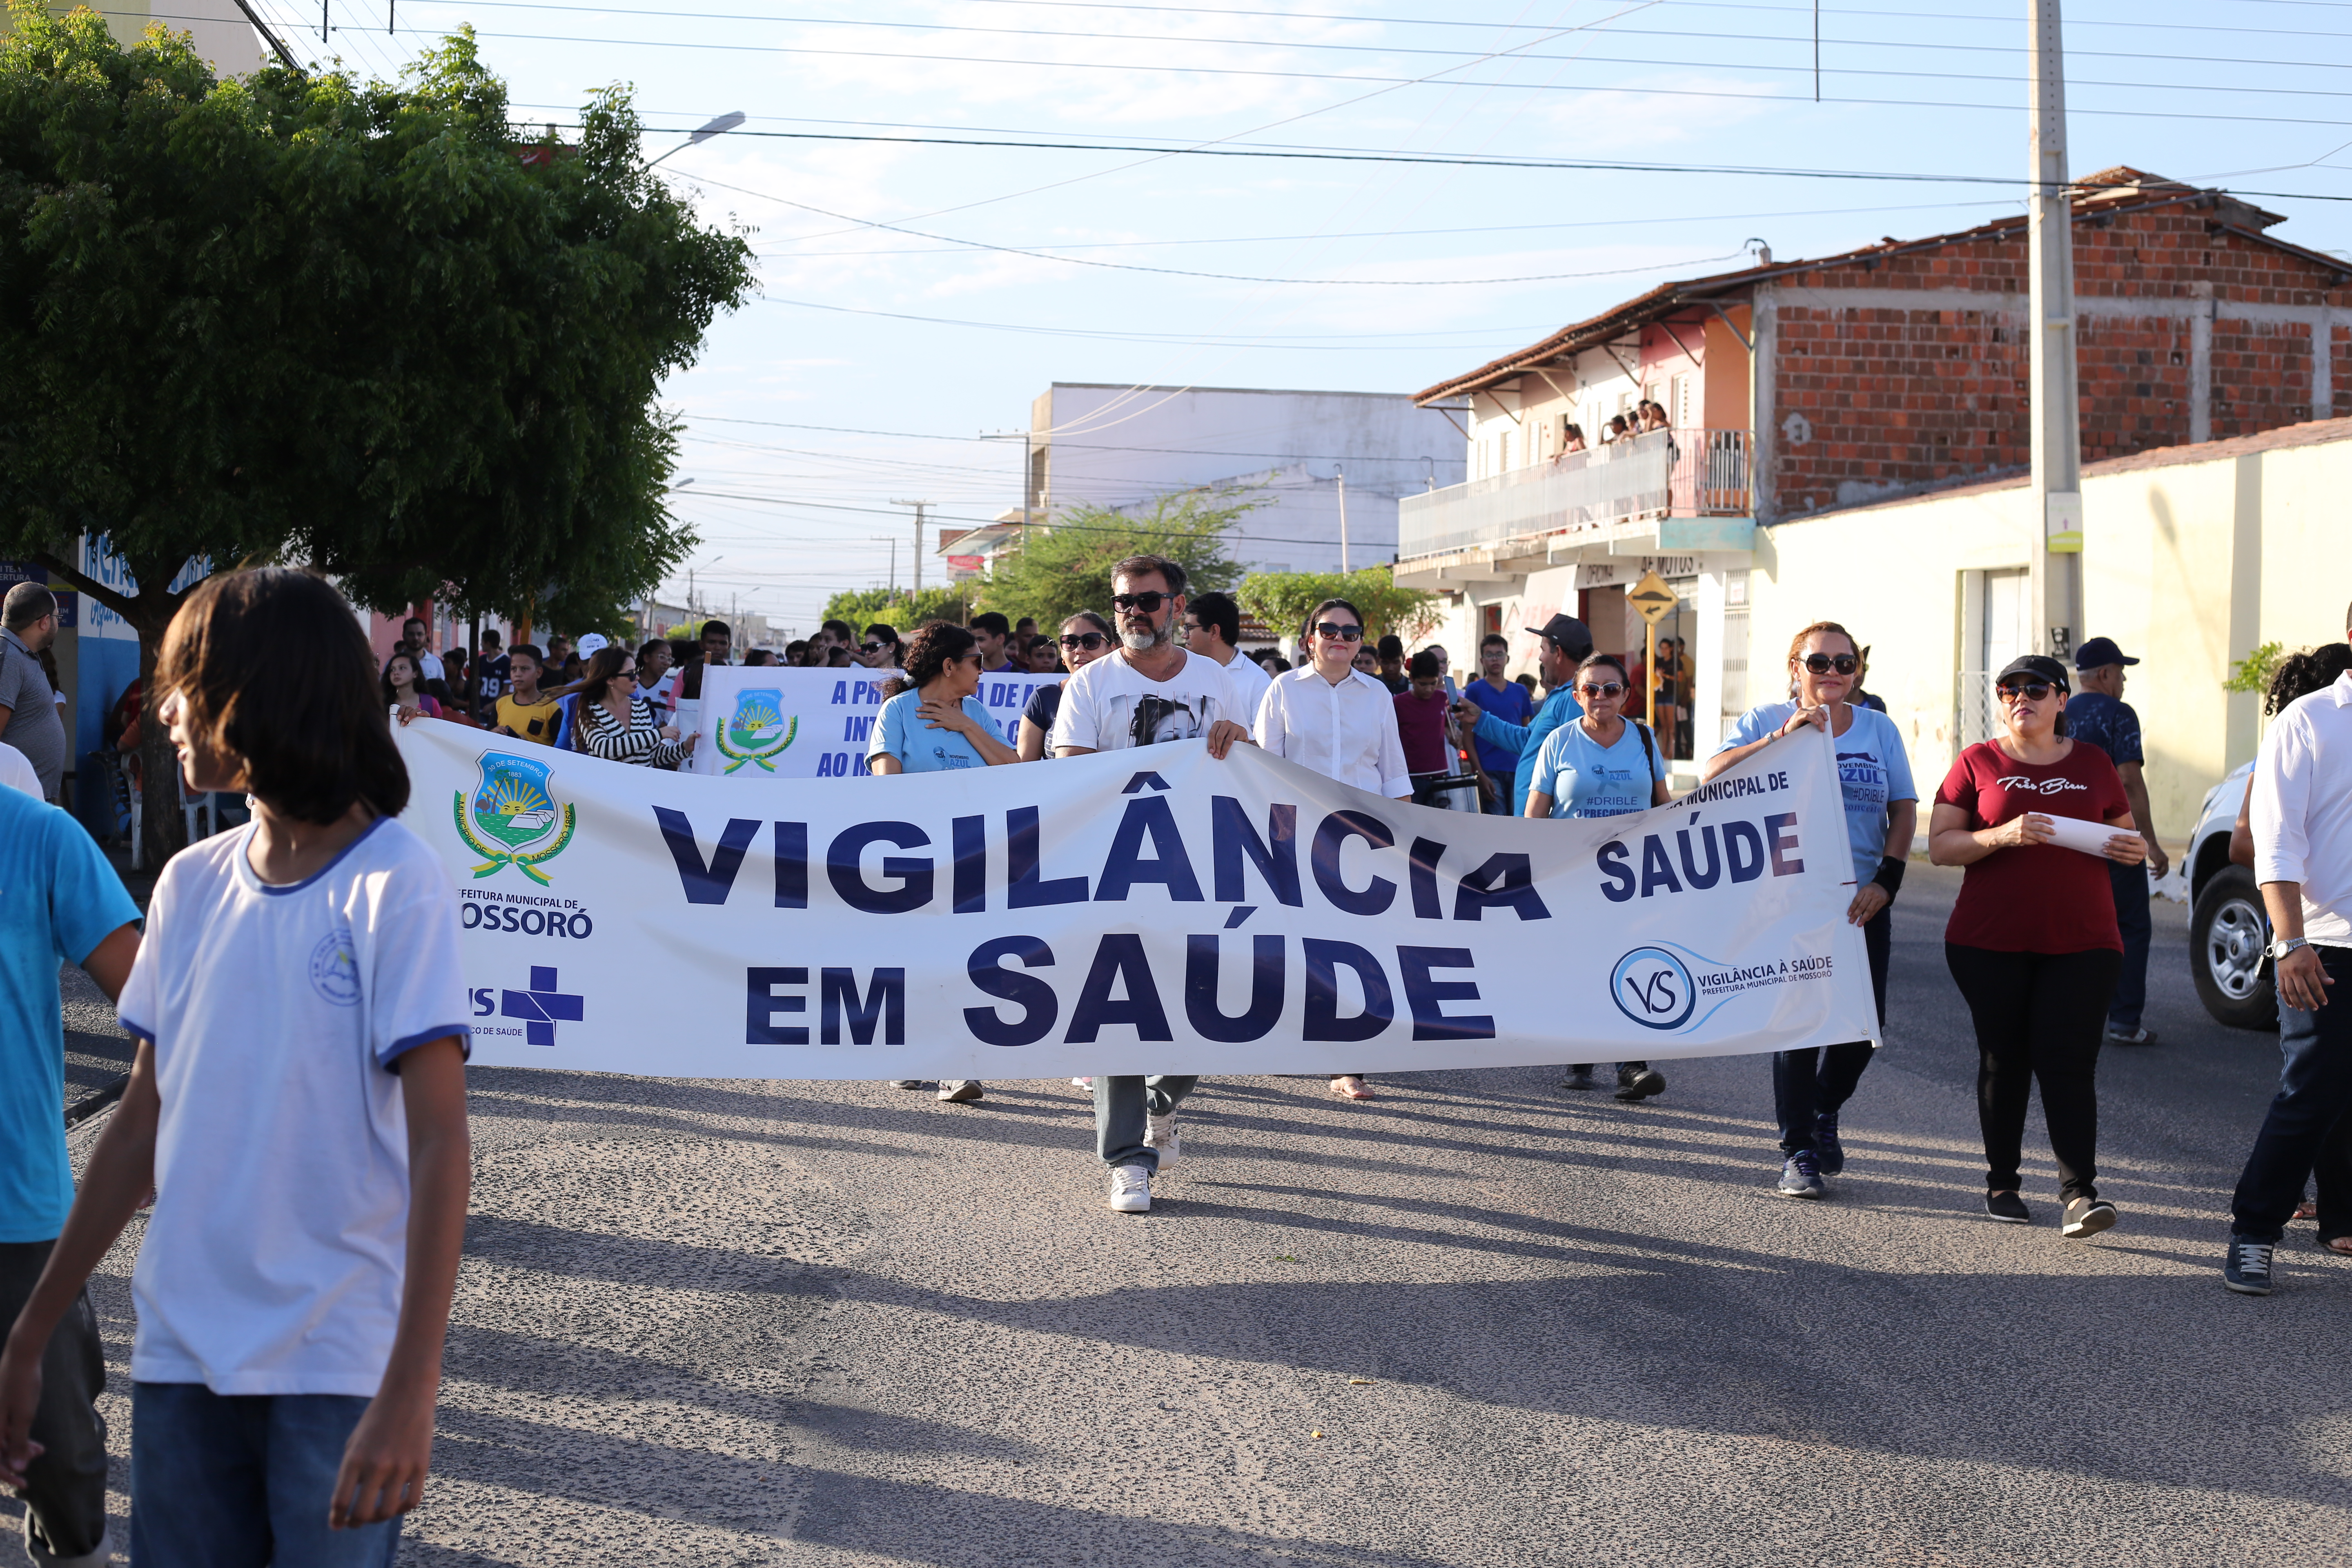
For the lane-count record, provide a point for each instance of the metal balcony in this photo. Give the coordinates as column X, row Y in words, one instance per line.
column 1642, row 480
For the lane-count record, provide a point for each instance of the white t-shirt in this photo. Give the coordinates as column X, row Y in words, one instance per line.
column 1249, row 680
column 16, row 772
column 273, row 1260
column 1101, row 702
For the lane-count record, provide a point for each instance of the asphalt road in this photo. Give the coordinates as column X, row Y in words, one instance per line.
column 1479, row 1321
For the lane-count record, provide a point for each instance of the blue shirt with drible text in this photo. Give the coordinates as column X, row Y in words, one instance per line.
column 2108, row 723
column 1585, row 778
column 901, row 732
column 1873, row 770
column 1514, row 704
column 59, row 900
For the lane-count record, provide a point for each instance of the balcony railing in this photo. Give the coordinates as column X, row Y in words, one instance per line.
column 1665, row 473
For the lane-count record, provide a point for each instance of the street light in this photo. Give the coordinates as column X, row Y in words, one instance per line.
column 719, row 127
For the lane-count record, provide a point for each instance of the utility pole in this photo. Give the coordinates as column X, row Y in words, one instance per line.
column 919, row 506
column 892, row 541
column 2057, row 484
column 1340, row 475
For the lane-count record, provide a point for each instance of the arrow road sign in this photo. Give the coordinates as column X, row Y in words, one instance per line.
column 1652, row 597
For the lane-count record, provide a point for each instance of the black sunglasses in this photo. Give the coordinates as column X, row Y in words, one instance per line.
column 1087, row 640
column 1609, row 689
column 1148, row 602
column 2032, row 690
column 1338, row 633
column 1823, row 663
column 872, row 646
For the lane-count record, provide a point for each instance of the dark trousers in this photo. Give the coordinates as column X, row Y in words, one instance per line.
column 1504, row 785
column 244, row 1480
column 1812, row 1083
column 65, row 1489
column 2132, row 918
column 2039, row 1017
column 2306, row 1124
column 1121, row 1104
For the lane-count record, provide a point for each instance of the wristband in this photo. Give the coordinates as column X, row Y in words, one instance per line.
column 1890, row 875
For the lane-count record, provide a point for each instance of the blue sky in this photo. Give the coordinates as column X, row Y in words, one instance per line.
column 1339, row 273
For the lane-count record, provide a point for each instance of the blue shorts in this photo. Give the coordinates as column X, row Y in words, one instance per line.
column 244, row 1480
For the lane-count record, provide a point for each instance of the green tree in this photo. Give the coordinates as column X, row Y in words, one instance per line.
column 1283, row 599
column 361, row 327
column 1066, row 567
column 900, row 607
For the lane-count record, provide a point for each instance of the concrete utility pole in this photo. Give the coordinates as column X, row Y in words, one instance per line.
column 918, row 506
column 1340, row 475
column 2057, row 486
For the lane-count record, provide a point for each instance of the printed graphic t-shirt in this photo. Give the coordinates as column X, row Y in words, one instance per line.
column 1102, row 704
column 279, row 1015
column 2106, row 722
column 1873, row 769
column 1585, row 778
column 59, row 900
column 2035, row 897
column 900, row 730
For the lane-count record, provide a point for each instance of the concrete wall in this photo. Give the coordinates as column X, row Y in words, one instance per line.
column 222, row 36
column 2190, row 565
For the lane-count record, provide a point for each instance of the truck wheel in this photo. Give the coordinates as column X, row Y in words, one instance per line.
column 2228, row 936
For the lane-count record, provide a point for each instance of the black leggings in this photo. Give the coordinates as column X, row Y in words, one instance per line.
column 2039, row 1015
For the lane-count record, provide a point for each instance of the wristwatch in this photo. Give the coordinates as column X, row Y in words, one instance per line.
column 2285, row 945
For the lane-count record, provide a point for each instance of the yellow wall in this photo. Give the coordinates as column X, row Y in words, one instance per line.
column 2188, row 565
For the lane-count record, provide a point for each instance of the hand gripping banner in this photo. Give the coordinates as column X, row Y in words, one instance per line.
column 1147, row 911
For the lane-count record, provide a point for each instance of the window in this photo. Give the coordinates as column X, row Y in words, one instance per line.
column 1503, row 453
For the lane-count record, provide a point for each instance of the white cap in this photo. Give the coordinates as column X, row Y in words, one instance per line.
column 593, row 644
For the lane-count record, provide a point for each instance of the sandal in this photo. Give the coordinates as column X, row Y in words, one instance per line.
column 1350, row 1086
column 2306, row 1210
column 2340, row 1244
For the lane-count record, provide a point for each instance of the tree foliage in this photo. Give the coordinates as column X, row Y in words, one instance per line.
column 900, row 607
column 1066, row 568
column 358, row 326
column 1282, row 600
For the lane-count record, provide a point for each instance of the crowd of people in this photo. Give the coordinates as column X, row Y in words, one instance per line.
column 296, row 1132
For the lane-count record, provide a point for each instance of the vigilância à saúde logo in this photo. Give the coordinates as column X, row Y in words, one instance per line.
column 747, row 735
column 1661, row 987
column 512, row 819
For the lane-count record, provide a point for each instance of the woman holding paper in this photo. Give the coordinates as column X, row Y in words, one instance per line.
column 2032, row 942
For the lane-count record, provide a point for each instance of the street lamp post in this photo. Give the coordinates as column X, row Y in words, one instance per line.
column 719, row 127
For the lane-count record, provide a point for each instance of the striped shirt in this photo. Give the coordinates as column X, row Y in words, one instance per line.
column 640, row 743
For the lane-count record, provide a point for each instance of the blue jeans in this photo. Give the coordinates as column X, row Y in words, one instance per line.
column 244, row 1480
column 2315, row 1092
column 1816, row 1081
column 1503, row 783
column 1121, row 1104
column 2130, row 885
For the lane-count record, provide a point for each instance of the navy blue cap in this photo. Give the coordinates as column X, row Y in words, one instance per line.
column 2100, row 652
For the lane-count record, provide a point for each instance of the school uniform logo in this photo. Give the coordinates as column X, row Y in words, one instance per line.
column 758, row 719
column 512, row 820
column 334, row 969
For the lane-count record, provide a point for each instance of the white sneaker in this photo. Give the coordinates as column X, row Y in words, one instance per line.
column 1131, row 1189
column 1160, row 1132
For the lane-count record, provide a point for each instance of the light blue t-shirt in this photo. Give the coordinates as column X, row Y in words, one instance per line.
column 1871, row 770
column 1585, row 778
column 901, row 732
column 59, row 900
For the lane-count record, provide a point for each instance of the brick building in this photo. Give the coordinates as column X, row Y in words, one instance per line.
column 1792, row 388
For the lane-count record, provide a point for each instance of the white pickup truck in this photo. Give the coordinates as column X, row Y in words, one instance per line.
column 2228, row 934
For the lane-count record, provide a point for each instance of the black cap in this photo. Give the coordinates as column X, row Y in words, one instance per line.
column 2042, row 667
column 1569, row 632
column 2100, row 652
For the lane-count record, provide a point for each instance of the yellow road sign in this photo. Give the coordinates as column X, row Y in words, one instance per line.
column 1652, row 597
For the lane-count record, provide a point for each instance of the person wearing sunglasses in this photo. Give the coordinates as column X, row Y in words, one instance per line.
column 2033, row 943
column 1084, row 637
column 1601, row 764
column 880, row 648
column 1334, row 719
column 1881, row 811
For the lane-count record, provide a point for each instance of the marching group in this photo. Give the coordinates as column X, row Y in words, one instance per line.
column 294, row 1122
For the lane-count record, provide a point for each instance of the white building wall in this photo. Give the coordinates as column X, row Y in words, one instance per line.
column 1120, row 447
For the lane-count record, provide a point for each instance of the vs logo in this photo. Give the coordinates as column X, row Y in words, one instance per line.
column 1654, row 988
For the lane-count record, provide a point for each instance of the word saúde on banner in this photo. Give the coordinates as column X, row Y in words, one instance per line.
column 1146, row 910
column 767, row 721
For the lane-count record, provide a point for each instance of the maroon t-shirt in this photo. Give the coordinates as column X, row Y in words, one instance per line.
column 1420, row 726
column 2035, row 897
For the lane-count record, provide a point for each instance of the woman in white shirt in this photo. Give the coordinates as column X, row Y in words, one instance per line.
column 1336, row 720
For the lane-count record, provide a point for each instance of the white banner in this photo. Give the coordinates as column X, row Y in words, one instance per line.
column 1146, row 910
column 773, row 722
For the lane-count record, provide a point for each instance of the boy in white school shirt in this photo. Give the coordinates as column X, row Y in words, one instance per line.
column 298, row 1108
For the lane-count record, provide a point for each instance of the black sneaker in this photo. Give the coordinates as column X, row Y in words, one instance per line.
column 1826, row 1147
column 2087, row 1216
column 1801, row 1176
column 2008, row 1209
column 1640, row 1083
column 1581, row 1077
column 2246, row 1267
